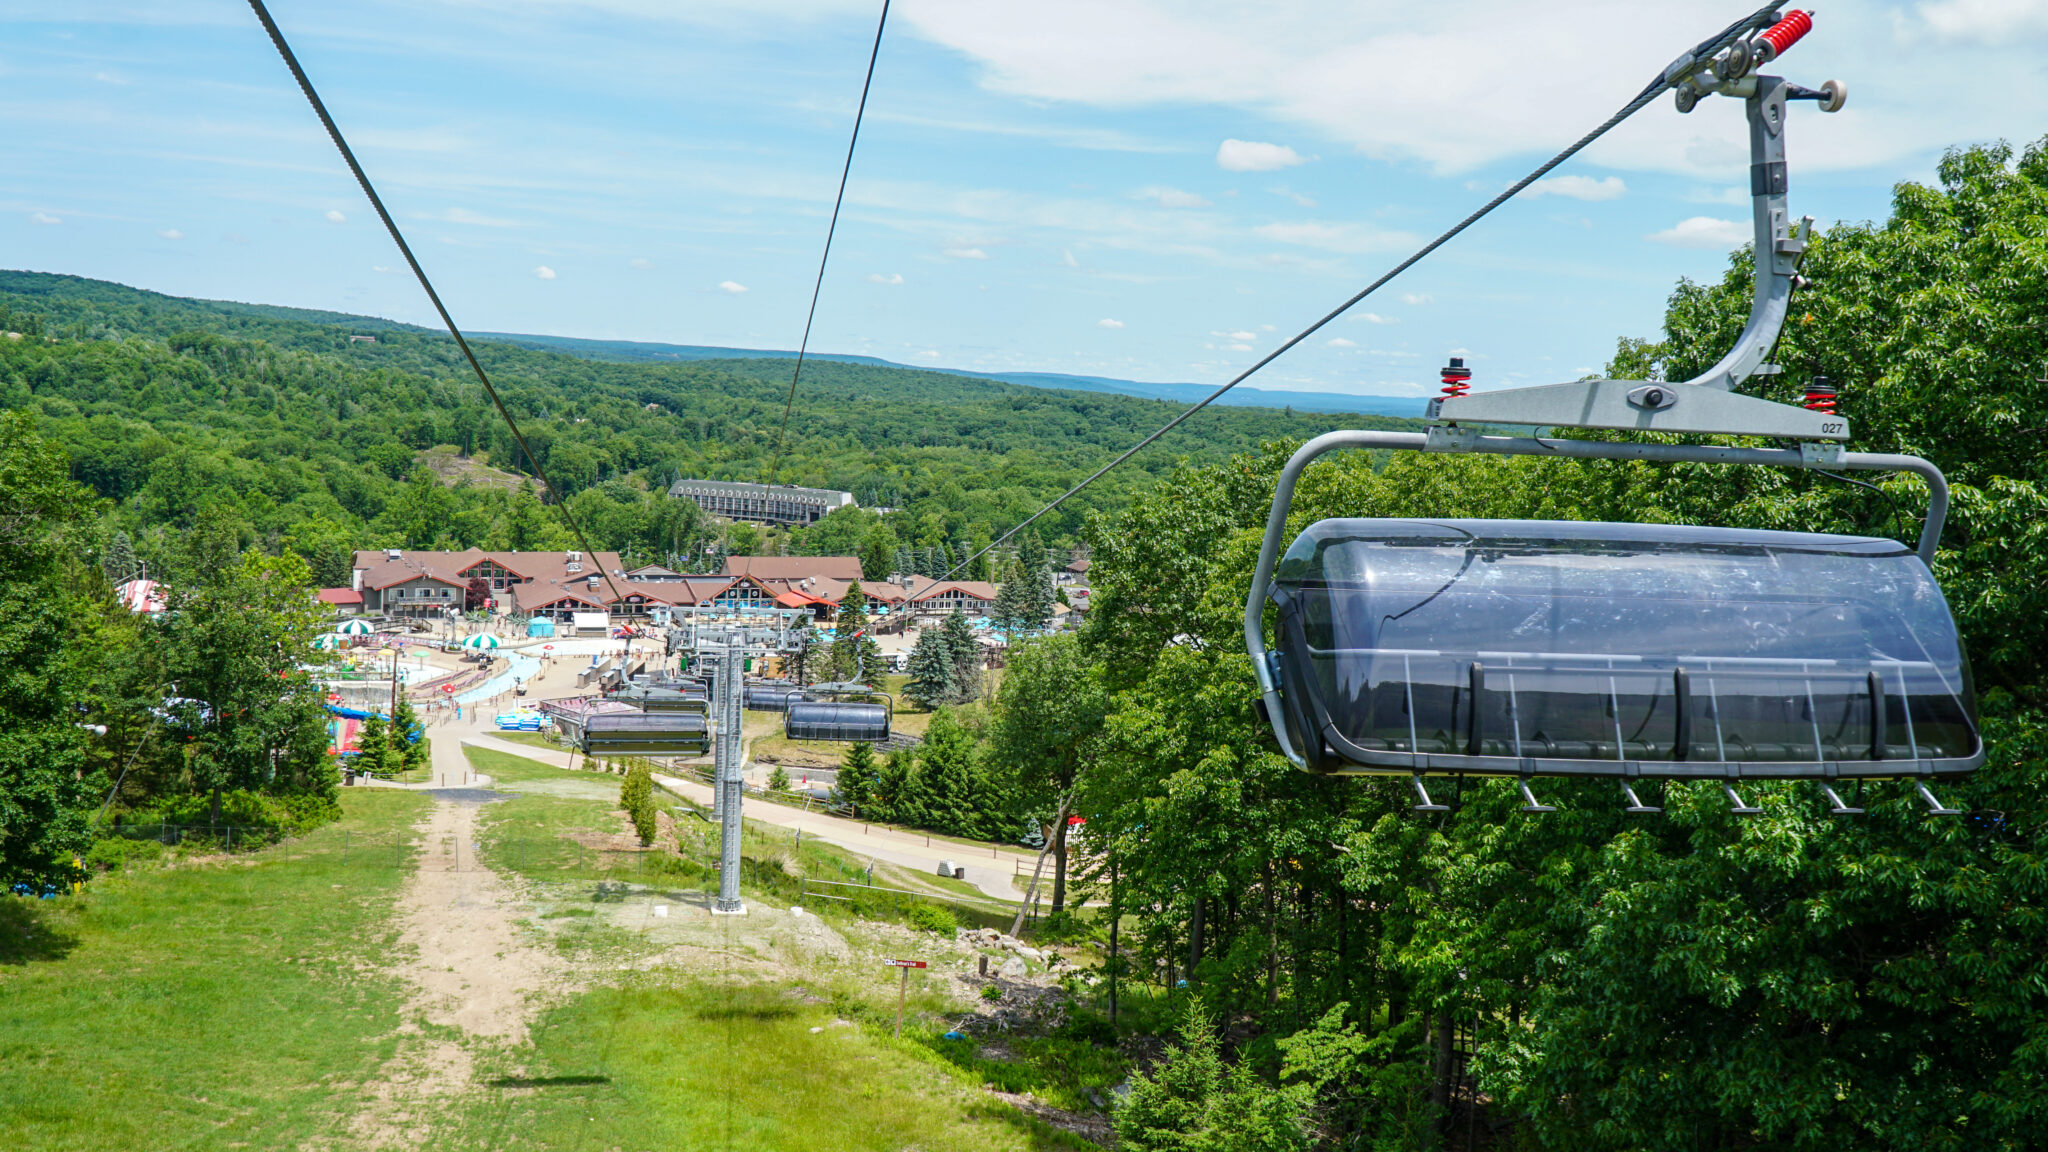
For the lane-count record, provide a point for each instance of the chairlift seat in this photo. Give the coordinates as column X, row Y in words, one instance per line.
column 837, row 720
column 1553, row 648
column 646, row 734
column 772, row 697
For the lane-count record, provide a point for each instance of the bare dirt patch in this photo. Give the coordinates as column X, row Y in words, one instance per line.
column 474, row 979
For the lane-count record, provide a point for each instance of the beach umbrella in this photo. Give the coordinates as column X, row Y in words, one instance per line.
column 355, row 628
column 482, row 640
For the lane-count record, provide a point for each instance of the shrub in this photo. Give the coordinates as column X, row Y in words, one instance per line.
column 114, row 855
column 934, row 919
column 778, row 779
column 636, row 796
column 991, row 992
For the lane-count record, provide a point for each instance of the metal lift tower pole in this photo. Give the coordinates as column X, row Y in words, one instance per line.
column 726, row 696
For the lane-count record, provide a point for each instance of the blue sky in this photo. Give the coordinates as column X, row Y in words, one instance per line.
column 1158, row 191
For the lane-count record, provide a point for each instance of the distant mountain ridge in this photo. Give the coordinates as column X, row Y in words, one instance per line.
column 633, row 351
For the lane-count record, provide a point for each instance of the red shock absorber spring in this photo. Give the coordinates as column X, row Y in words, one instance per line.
column 1821, row 393
column 1457, row 377
column 1784, row 34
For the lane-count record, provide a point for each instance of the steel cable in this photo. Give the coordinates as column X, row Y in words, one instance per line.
column 1677, row 69
column 818, row 287
column 348, row 155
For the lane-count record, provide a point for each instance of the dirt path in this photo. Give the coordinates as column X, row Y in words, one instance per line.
column 469, row 968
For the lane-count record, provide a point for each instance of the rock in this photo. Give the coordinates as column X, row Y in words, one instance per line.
column 1013, row 968
column 1030, row 953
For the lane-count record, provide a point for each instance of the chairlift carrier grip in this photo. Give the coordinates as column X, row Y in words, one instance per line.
column 1283, row 502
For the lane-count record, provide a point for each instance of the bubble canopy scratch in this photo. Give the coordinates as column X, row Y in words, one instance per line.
column 1633, row 650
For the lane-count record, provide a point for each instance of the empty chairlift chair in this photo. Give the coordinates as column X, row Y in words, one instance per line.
column 772, row 697
column 1530, row 648
column 854, row 713
column 646, row 734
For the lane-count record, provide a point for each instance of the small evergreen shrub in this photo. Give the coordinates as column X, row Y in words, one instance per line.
column 934, row 919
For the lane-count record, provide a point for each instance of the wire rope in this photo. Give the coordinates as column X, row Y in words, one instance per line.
column 348, row 156
column 1655, row 88
column 818, row 287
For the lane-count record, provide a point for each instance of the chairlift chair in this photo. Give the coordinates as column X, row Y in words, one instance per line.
column 854, row 712
column 1531, row 649
column 646, row 734
column 772, row 697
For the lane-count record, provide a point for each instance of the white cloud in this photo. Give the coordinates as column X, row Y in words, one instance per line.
column 1109, row 323
column 891, row 278
column 1704, row 232
column 1170, row 197
column 544, row 272
column 731, row 288
column 1237, row 347
column 335, row 217
column 381, row 269
column 1067, row 258
column 45, row 218
column 1290, row 194
column 1340, row 342
column 1255, row 156
column 1343, row 237
column 1374, row 318
column 930, row 353
column 1416, row 299
column 640, row 262
column 1580, row 188
column 1244, row 335
column 170, row 234
column 1370, row 75
column 966, row 253
column 1983, row 21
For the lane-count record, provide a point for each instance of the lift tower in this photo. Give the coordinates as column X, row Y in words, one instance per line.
column 721, row 640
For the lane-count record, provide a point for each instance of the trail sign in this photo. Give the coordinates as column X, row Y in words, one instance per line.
column 903, row 987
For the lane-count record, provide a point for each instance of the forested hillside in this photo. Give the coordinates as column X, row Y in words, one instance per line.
column 309, row 434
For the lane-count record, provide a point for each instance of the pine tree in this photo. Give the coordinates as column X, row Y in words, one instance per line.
column 904, row 564
column 966, row 653
column 898, row 795
column 1012, row 608
column 956, row 797
column 933, row 680
column 636, row 796
column 855, row 655
column 1038, row 598
column 373, row 747
column 119, row 562
column 977, row 541
column 857, row 778
column 405, row 726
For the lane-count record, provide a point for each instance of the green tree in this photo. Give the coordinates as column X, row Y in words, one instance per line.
column 636, row 796
column 957, row 795
column 46, row 794
column 855, row 655
column 119, row 562
column 932, row 681
column 778, row 779
column 877, row 553
column 236, row 643
column 374, row 753
column 966, row 653
column 408, row 738
column 1048, row 725
column 857, row 777
column 898, row 796
column 1195, row 1101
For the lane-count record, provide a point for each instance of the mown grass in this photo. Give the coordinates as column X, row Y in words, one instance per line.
column 704, row 1064
column 209, row 1004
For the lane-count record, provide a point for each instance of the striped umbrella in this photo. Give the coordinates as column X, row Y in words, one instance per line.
column 328, row 642
column 482, row 640
column 355, row 628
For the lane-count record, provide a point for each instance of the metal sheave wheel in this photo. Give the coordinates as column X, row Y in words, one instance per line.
column 1837, row 94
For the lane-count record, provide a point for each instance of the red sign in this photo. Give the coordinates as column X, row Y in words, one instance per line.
column 447, row 687
column 904, row 963
column 1073, row 820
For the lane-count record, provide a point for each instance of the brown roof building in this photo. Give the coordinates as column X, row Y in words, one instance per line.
column 794, row 567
